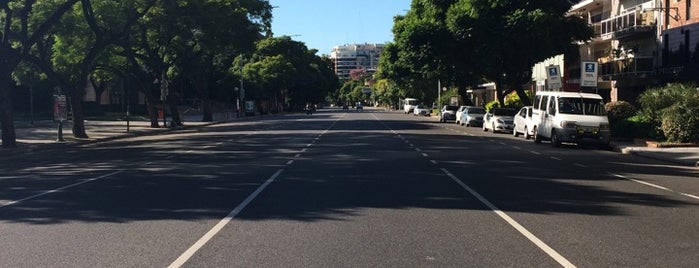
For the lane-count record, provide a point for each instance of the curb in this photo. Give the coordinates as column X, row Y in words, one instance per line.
column 641, row 153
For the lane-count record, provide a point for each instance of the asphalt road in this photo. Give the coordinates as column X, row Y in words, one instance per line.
column 335, row 189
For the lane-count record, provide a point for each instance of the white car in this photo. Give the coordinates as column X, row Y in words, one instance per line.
column 421, row 110
column 459, row 113
column 499, row 120
column 524, row 124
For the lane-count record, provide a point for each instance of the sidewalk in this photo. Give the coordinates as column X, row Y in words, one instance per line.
column 43, row 134
column 685, row 156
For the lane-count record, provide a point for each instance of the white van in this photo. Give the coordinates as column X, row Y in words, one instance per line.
column 570, row 117
column 409, row 104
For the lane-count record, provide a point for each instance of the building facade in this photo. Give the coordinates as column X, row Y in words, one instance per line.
column 347, row 58
column 636, row 43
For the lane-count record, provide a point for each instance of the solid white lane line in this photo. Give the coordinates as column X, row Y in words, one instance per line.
column 543, row 246
column 643, row 182
column 690, row 196
column 218, row 227
column 59, row 189
column 656, row 186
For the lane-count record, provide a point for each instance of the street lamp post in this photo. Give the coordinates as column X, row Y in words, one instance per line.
column 237, row 102
column 439, row 93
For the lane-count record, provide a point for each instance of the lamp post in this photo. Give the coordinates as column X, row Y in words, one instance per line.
column 439, row 93
column 237, row 101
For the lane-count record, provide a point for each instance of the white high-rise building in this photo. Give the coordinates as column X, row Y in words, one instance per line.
column 355, row 57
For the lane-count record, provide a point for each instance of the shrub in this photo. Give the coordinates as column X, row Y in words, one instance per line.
column 673, row 110
column 680, row 123
column 634, row 127
column 514, row 101
column 491, row 105
column 619, row 110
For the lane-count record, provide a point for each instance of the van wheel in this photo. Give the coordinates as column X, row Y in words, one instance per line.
column 526, row 134
column 555, row 140
column 537, row 138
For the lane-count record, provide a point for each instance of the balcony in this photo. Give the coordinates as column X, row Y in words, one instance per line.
column 635, row 67
column 630, row 24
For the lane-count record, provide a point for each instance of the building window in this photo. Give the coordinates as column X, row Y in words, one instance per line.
column 688, row 11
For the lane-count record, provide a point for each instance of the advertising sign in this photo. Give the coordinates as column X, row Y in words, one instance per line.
column 60, row 108
column 588, row 78
column 249, row 108
column 554, row 77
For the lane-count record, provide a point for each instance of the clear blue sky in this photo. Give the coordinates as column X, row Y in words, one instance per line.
column 323, row 24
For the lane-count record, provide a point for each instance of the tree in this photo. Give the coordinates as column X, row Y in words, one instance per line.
column 464, row 42
column 424, row 52
column 286, row 73
column 23, row 24
column 508, row 37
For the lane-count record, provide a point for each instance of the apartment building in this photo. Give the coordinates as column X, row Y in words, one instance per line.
column 636, row 43
column 355, row 57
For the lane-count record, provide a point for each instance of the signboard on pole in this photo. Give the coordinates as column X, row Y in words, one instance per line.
column 588, row 78
column 60, row 108
column 553, row 77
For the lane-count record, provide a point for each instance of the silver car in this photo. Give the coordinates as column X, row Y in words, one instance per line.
column 448, row 113
column 472, row 116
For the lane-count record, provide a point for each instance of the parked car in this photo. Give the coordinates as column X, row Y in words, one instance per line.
column 421, row 110
column 472, row 116
column 447, row 113
column 524, row 124
column 459, row 112
column 570, row 117
column 499, row 120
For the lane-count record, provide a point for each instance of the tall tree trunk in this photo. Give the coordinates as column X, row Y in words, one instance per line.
column 202, row 87
column 174, row 111
column 76, row 101
column 523, row 96
column 7, row 122
column 9, row 138
column 151, row 108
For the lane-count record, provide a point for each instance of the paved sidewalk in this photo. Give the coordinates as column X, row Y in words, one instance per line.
column 43, row 134
column 685, row 156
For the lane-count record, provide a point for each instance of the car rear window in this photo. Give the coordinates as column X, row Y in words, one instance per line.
column 504, row 112
column 452, row 108
column 476, row 111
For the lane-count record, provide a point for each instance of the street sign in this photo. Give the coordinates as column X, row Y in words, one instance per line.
column 588, row 78
column 554, row 77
